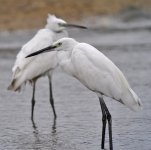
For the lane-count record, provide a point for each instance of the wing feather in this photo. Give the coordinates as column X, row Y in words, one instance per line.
column 26, row 69
column 98, row 72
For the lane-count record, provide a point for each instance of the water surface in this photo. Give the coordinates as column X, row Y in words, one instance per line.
column 78, row 126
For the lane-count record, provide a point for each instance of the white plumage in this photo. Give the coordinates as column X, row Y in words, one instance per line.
column 101, row 75
column 26, row 70
column 97, row 72
column 31, row 69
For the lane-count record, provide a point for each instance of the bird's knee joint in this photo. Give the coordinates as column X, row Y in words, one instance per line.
column 104, row 118
column 109, row 117
column 33, row 101
column 52, row 101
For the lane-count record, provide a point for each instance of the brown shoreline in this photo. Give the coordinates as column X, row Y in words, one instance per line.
column 30, row 14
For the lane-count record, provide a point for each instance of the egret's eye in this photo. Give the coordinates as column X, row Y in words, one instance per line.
column 60, row 24
column 59, row 44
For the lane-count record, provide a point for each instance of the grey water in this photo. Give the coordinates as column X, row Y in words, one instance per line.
column 78, row 125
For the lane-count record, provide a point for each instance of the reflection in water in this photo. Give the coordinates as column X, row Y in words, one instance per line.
column 54, row 126
column 54, row 135
column 33, row 123
column 40, row 139
column 37, row 139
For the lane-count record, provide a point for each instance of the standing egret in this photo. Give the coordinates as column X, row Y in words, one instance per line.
column 98, row 73
column 32, row 69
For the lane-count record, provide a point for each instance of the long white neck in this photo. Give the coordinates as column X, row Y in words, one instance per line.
column 64, row 59
column 64, row 56
column 47, row 26
column 57, row 35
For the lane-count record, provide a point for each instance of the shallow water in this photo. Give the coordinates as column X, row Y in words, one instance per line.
column 78, row 126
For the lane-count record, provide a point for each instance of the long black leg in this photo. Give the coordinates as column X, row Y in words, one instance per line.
column 33, row 101
column 104, row 118
column 109, row 118
column 51, row 97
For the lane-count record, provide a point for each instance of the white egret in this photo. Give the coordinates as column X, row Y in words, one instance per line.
column 98, row 73
column 30, row 70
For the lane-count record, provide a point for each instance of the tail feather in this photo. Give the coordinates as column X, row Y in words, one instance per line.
column 137, row 99
column 17, row 79
column 132, row 100
column 13, row 86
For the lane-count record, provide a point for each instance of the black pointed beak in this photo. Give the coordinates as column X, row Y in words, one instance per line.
column 44, row 50
column 73, row 26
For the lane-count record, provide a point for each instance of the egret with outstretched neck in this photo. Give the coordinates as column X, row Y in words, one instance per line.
column 32, row 69
column 98, row 73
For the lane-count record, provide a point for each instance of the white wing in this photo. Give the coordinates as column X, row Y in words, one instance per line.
column 29, row 68
column 43, row 38
column 101, row 75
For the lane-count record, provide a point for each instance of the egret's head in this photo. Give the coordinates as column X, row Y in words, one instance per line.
column 53, row 23
column 58, row 25
column 63, row 44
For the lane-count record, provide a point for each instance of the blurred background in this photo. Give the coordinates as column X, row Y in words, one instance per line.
column 121, row 29
column 31, row 14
